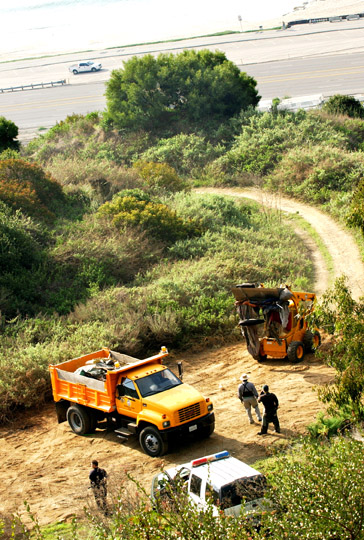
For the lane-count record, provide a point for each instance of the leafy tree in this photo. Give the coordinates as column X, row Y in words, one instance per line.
column 190, row 87
column 318, row 493
column 346, row 105
column 343, row 318
column 8, row 134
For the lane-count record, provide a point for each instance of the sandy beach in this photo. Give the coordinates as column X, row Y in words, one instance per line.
column 316, row 9
column 44, row 37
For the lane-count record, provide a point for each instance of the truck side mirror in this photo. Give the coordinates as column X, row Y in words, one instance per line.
column 180, row 370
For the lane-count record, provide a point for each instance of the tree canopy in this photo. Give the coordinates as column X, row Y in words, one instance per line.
column 8, row 134
column 191, row 87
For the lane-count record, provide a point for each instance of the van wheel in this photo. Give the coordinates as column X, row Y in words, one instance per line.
column 75, row 72
column 295, row 352
column 79, row 420
column 151, row 442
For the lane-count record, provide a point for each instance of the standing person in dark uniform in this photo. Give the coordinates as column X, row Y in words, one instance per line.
column 271, row 403
column 98, row 485
column 248, row 396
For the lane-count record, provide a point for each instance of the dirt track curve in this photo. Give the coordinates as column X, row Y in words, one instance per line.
column 339, row 242
column 48, row 465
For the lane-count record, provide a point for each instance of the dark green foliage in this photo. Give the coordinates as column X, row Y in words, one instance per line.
column 346, row 105
column 25, row 186
column 159, row 177
column 316, row 172
column 183, row 152
column 343, row 318
column 356, row 215
column 265, row 138
column 318, row 493
column 8, row 134
column 187, row 88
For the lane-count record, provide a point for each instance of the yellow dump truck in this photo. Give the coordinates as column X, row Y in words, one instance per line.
column 135, row 397
column 274, row 321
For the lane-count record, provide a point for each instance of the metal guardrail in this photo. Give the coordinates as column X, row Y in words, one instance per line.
column 33, row 86
column 338, row 18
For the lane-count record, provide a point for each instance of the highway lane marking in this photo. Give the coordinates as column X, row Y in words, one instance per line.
column 312, row 74
column 47, row 104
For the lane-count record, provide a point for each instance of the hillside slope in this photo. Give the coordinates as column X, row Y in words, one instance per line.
column 47, row 464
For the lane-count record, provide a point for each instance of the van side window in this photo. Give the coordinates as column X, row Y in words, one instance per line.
column 127, row 388
column 211, row 495
column 195, row 486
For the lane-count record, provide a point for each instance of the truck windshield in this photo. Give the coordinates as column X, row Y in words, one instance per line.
column 157, row 382
column 247, row 489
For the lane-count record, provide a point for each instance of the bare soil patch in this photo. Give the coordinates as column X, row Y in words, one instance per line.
column 47, row 465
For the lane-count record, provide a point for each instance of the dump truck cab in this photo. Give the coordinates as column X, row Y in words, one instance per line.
column 136, row 397
column 274, row 321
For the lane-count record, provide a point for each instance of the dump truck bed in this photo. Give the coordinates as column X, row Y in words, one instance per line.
column 98, row 394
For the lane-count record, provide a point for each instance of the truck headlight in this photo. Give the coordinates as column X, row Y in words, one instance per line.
column 166, row 423
column 210, row 407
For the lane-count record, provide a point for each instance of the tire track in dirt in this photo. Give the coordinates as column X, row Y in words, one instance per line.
column 339, row 242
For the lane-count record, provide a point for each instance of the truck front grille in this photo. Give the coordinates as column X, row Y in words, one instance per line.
column 188, row 413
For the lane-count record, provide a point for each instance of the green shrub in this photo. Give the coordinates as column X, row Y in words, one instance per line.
column 314, row 173
column 159, row 177
column 356, row 212
column 265, row 139
column 317, row 492
column 327, row 426
column 8, row 134
column 346, row 105
column 156, row 218
column 185, row 153
column 27, row 187
column 98, row 180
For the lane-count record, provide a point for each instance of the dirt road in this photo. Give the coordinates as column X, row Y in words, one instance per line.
column 47, row 465
column 340, row 244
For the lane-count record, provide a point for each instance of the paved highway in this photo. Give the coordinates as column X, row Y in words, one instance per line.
column 323, row 58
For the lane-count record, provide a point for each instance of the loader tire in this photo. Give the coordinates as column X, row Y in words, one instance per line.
column 79, row 419
column 296, row 352
column 311, row 341
column 262, row 357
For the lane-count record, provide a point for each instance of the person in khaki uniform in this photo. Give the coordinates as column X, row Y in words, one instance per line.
column 248, row 396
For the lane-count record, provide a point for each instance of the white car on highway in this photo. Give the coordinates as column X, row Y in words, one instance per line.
column 81, row 67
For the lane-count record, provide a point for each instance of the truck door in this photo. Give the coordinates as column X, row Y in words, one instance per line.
column 128, row 401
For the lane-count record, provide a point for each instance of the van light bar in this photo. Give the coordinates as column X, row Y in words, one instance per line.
column 208, row 459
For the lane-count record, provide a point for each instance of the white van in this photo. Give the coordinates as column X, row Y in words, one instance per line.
column 220, row 479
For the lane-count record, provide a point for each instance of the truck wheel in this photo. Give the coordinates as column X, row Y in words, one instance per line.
column 262, row 357
column 151, row 442
column 207, row 431
column 295, row 352
column 79, row 420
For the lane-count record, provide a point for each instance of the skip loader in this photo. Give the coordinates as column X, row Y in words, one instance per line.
column 274, row 321
column 135, row 397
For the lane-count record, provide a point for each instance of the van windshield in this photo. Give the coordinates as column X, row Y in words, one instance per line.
column 247, row 489
column 157, row 382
